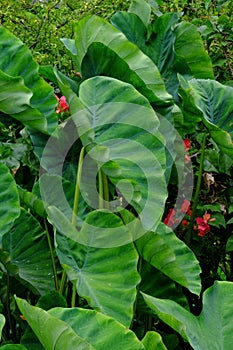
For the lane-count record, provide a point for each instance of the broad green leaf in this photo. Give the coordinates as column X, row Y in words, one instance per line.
column 53, row 333
column 212, row 329
column 159, row 46
column 174, row 47
column 2, row 322
column 101, row 331
column 13, row 88
column 166, row 252
column 100, row 274
column 9, row 200
column 190, row 52
column 29, row 257
column 213, row 100
column 94, row 29
column 142, row 9
column 46, row 302
column 17, row 65
column 153, row 341
column 113, row 120
column 156, row 284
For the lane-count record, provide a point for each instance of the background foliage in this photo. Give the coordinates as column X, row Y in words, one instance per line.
column 40, row 24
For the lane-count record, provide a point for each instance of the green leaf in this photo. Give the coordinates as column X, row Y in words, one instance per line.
column 13, row 88
column 2, row 322
column 158, row 285
column 166, row 252
column 29, row 257
column 203, row 331
column 229, row 246
column 32, row 202
column 9, row 201
column 166, row 44
column 230, row 221
column 102, row 272
column 212, row 99
column 101, row 331
column 94, row 29
column 142, row 9
column 17, row 66
column 53, row 333
column 159, row 46
column 153, row 341
column 190, row 52
column 107, row 122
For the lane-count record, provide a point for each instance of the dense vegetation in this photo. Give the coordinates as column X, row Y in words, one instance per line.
column 116, row 191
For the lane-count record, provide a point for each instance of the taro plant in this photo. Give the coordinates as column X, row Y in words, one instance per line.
column 88, row 259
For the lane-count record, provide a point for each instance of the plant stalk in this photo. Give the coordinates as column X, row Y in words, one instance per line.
column 52, row 256
column 75, row 208
column 197, row 191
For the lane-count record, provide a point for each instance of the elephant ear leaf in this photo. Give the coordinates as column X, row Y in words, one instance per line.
column 53, row 333
column 212, row 329
column 95, row 29
column 214, row 101
column 34, row 101
column 9, row 200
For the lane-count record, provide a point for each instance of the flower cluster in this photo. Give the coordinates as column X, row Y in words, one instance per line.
column 62, row 105
column 202, row 224
column 173, row 217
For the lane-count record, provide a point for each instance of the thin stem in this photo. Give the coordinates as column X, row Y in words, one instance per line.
column 11, row 330
column 63, row 283
column 197, row 191
column 75, row 207
column 138, row 287
column 77, row 187
column 73, row 298
column 106, row 190
column 101, row 190
column 52, row 256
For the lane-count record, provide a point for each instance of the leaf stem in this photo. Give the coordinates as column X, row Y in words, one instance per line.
column 52, row 256
column 197, row 191
column 77, row 186
column 103, row 190
column 75, row 208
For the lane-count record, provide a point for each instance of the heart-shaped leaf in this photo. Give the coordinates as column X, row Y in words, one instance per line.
column 29, row 256
column 212, row 329
column 166, row 252
column 53, row 333
column 101, row 331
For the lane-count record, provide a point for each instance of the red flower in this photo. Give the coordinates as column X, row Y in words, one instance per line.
column 62, row 105
column 184, row 223
column 187, row 145
column 170, row 218
column 203, row 226
column 185, row 207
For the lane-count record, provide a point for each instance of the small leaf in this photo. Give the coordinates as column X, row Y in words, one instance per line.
column 2, row 323
column 153, row 341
